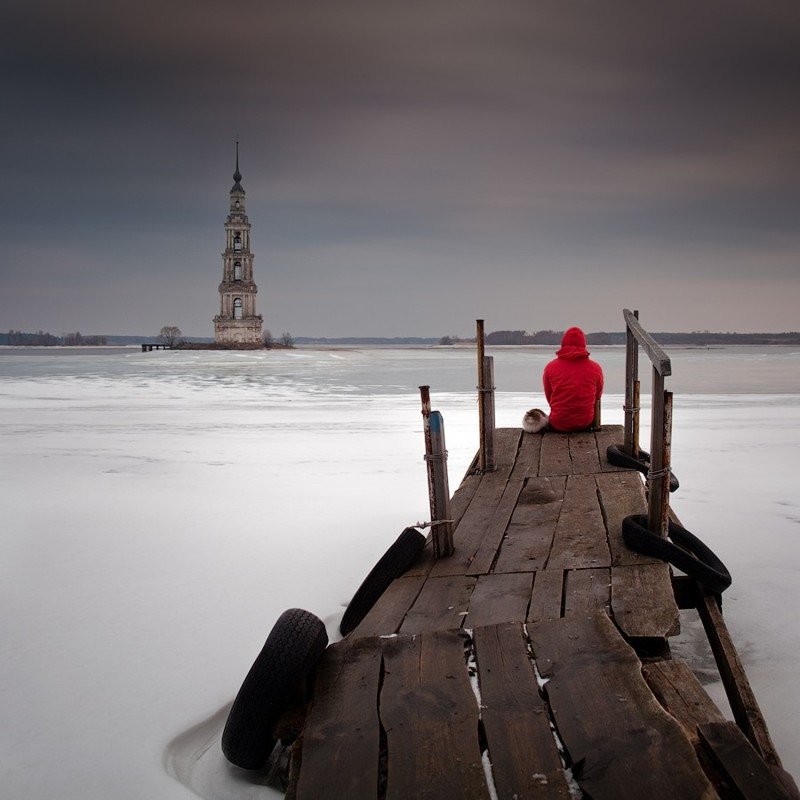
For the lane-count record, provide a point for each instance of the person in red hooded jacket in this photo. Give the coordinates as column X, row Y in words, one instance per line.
column 572, row 385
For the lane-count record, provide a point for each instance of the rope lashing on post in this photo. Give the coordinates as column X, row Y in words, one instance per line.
column 432, row 523
column 617, row 456
column 654, row 475
column 432, row 457
column 483, row 390
column 686, row 552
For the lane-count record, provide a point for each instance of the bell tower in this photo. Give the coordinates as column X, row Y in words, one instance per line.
column 237, row 323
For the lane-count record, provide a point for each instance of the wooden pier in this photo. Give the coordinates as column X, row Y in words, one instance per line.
column 534, row 661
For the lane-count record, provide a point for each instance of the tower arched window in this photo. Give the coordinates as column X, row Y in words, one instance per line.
column 237, row 243
column 237, row 308
column 237, row 270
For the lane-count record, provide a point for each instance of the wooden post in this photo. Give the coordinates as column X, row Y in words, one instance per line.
column 743, row 702
column 438, row 484
column 636, row 400
column 597, row 415
column 481, row 378
column 631, row 377
column 487, row 403
column 425, row 398
column 660, row 445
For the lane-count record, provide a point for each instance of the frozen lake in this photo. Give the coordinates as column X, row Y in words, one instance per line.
column 161, row 510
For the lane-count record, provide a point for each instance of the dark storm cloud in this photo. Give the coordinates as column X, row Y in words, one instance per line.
column 523, row 160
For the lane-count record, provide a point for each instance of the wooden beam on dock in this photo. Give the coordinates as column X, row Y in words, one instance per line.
column 682, row 695
column 523, row 753
column 741, row 765
column 431, row 724
column 341, row 742
column 744, row 705
column 621, row 742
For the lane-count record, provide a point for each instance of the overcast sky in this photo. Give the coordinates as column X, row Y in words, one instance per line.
column 409, row 166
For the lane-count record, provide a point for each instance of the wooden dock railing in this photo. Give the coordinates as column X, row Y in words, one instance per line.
column 438, row 483
column 486, row 460
column 661, row 418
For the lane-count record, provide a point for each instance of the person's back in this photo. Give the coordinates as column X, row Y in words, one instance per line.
column 572, row 384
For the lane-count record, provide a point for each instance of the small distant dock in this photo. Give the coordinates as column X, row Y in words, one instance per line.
column 533, row 660
column 147, row 347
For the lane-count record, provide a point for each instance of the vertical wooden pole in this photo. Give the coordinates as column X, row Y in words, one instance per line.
column 438, row 484
column 425, row 398
column 666, row 462
column 655, row 497
column 631, row 376
column 442, row 531
column 481, row 383
column 636, row 400
column 597, row 414
column 487, row 402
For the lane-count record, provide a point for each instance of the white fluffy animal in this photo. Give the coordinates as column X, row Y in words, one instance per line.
column 535, row 421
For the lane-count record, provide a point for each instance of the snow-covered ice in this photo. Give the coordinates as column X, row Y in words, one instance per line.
column 161, row 510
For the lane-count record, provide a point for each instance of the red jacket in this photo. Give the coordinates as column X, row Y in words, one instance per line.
column 572, row 383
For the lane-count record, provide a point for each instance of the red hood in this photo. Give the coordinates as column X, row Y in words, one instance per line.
column 573, row 345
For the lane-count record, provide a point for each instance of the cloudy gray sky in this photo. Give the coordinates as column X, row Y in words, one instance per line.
column 409, row 166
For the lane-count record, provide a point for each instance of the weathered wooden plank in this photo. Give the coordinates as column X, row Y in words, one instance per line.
column 529, row 535
column 525, row 760
column 605, row 436
column 548, row 588
column 554, row 457
column 459, row 503
column 431, row 723
column 586, row 590
column 386, row 616
column 622, row 494
column 462, row 497
column 529, row 453
column 621, row 742
column 580, row 539
column 441, row 605
column 486, row 553
column 741, row 765
column 744, row 705
column 681, row 694
column 500, row 598
column 642, row 601
column 506, row 444
column 341, row 739
column 583, row 453
column 477, row 518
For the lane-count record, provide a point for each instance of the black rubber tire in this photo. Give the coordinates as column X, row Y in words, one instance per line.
column 619, row 458
column 702, row 563
column 392, row 564
column 293, row 647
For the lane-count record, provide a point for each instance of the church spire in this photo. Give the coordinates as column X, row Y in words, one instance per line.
column 237, row 176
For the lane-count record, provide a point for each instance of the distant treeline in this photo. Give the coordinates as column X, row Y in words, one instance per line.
column 699, row 338
column 44, row 339
column 396, row 340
